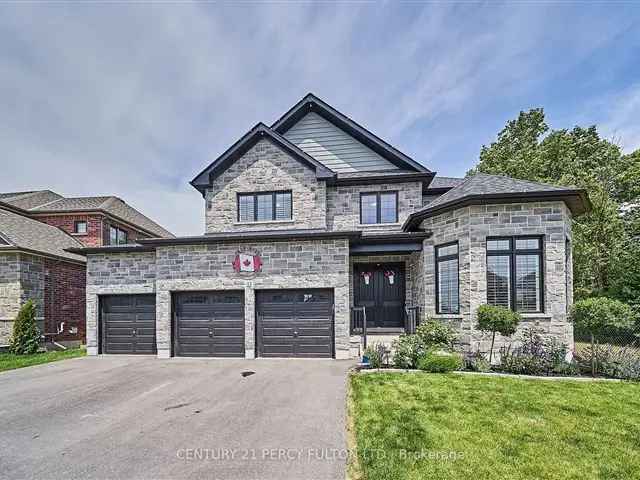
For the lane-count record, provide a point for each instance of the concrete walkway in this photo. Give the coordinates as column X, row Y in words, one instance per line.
column 140, row 417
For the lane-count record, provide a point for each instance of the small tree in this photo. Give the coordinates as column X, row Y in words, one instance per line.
column 597, row 314
column 26, row 336
column 497, row 319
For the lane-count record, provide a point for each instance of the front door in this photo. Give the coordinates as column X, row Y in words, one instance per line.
column 380, row 288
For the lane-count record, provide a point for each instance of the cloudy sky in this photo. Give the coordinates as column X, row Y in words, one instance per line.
column 134, row 100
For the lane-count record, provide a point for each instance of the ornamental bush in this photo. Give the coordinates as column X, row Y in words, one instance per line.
column 496, row 319
column 435, row 334
column 376, row 354
column 440, row 362
column 26, row 336
column 407, row 349
column 598, row 314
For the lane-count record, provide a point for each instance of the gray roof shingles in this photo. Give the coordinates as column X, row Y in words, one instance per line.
column 45, row 201
column 482, row 184
column 20, row 232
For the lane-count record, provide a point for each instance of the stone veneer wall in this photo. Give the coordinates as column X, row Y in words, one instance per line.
column 21, row 279
column 9, row 294
column 265, row 167
column 470, row 226
column 300, row 264
column 115, row 273
column 343, row 205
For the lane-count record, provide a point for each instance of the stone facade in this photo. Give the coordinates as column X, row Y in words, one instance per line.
column 470, row 226
column 300, row 264
column 21, row 279
column 265, row 167
column 343, row 205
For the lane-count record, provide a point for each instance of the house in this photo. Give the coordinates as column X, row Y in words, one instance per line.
column 314, row 223
column 36, row 228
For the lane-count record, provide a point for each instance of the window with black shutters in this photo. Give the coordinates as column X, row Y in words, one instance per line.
column 514, row 273
column 264, row 206
column 378, row 207
column 447, row 285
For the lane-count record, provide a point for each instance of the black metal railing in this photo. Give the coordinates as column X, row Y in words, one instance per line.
column 411, row 319
column 359, row 323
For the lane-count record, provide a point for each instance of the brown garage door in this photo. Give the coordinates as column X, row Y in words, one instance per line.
column 209, row 324
column 295, row 323
column 128, row 324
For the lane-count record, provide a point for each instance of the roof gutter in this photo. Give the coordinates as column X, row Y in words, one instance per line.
column 14, row 249
column 482, row 199
column 274, row 236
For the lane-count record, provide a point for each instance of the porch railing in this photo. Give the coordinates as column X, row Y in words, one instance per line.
column 411, row 319
column 359, row 319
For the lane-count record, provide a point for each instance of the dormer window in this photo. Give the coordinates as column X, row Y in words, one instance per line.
column 378, row 207
column 264, row 206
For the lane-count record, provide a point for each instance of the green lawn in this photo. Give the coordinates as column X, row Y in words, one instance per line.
column 430, row 426
column 9, row 361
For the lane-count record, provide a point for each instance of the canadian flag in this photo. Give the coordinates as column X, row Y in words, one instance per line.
column 245, row 262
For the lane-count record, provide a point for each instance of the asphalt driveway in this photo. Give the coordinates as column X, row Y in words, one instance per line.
column 140, row 417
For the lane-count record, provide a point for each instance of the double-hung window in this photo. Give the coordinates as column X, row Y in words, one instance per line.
column 80, row 227
column 117, row 236
column 264, row 206
column 447, row 285
column 378, row 207
column 514, row 273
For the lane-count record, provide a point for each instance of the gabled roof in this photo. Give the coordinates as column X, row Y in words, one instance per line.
column 248, row 140
column 445, row 182
column 46, row 201
column 26, row 234
column 482, row 188
column 311, row 103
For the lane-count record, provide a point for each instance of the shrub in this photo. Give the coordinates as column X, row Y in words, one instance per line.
column 536, row 356
column 612, row 361
column 406, row 351
column 598, row 316
column 376, row 353
column 440, row 362
column 26, row 336
column 497, row 319
column 435, row 334
column 476, row 362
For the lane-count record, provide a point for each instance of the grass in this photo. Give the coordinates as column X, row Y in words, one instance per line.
column 9, row 361
column 433, row 426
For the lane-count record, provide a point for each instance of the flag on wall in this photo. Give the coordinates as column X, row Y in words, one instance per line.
column 247, row 262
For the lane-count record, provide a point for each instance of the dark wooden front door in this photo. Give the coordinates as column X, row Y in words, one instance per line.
column 382, row 297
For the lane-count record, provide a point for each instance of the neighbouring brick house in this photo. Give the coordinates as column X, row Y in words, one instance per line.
column 313, row 223
column 35, row 229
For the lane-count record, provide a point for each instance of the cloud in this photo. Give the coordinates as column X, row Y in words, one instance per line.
column 134, row 100
column 620, row 114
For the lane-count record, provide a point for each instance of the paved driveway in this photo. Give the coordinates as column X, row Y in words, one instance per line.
column 134, row 417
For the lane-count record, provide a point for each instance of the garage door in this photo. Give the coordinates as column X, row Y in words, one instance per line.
column 209, row 324
column 295, row 323
column 128, row 324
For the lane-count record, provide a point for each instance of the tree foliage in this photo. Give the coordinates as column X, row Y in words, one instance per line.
column 497, row 319
column 604, row 249
column 26, row 336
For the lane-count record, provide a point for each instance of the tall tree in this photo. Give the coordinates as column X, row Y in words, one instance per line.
column 526, row 148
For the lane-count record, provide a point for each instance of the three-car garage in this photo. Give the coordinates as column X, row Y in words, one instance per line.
column 295, row 323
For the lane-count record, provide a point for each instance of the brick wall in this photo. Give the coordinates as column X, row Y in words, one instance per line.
column 64, row 299
column 97, row 227
column 265, row 167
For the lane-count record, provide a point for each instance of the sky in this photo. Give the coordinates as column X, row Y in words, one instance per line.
column 133, row 100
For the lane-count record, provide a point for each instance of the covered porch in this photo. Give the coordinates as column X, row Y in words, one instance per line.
column 385, row 288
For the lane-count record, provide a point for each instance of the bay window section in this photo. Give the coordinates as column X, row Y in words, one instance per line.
column 447, row 284
column 514, row 273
